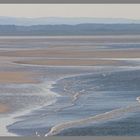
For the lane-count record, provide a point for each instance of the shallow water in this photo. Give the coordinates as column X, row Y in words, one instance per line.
column 98, row 93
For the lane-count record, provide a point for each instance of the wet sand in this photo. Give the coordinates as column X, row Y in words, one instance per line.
column 73, row 62
column 59, row 56
column 64, row 53
column 59, row 50
column 3, row 108
column 17, row 77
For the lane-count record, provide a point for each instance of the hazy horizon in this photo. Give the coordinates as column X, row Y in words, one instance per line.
column 67, row 17
column 71, row 10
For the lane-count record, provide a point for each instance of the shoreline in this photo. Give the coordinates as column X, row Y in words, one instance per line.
column 17, row 116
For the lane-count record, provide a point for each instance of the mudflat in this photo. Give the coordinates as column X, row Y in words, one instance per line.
column 56, row 53
column 16, row 77
column 3, row 108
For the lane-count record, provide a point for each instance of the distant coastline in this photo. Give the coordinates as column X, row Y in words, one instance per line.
column 86, row 29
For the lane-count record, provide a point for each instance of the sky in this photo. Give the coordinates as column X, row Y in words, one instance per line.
column 130, row 11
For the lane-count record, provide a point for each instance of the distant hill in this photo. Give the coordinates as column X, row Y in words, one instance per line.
column 79, row 29
column 63, row 20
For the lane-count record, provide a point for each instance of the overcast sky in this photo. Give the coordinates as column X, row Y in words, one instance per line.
column 131, row 11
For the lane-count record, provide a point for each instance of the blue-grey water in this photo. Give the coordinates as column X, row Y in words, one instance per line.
column 99, row 92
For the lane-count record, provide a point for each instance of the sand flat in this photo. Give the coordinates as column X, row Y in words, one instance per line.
column 52, row 53
column 3, row 108
column 16, row 77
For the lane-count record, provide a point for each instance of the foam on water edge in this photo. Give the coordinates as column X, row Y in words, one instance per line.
column 12, row 118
